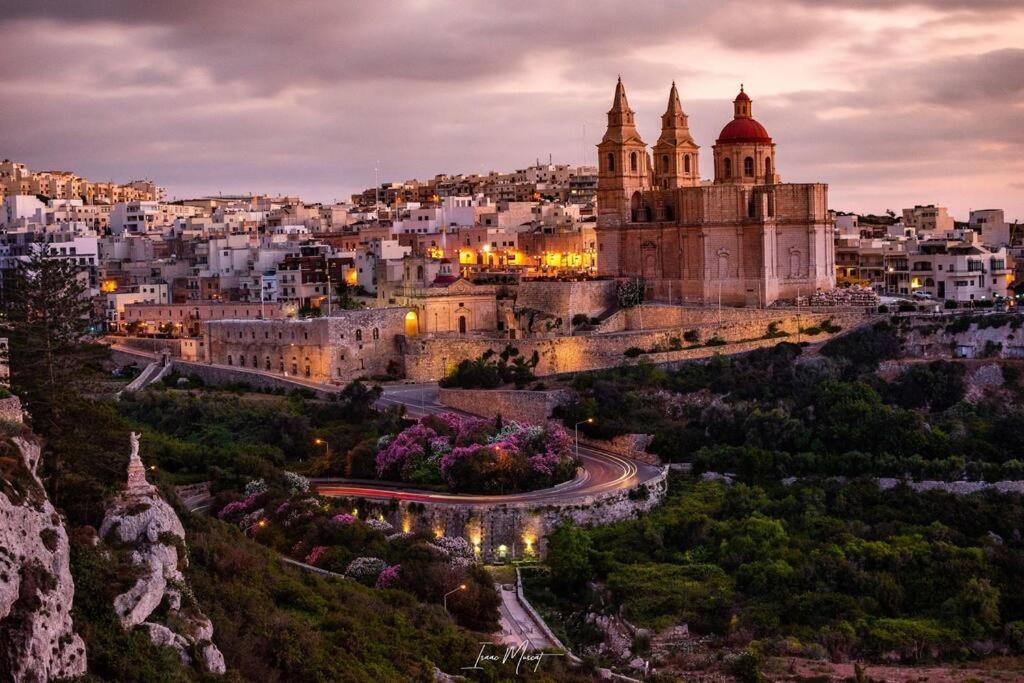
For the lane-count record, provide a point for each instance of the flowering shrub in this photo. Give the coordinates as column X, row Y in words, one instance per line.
column 478, row 454
column 243, row 505
column 315, row 554
column 458, row 550
column 389, row 577
column 296, row 482
column 379, row 525
column 255, row 486
column 344, row 519
column 365, row 569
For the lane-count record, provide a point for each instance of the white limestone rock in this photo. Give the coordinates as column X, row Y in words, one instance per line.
column 37, row 637
column 141, row 519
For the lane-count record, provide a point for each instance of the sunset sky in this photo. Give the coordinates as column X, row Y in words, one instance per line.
column 891, row 103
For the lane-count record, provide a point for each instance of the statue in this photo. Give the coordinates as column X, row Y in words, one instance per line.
column 137, row 484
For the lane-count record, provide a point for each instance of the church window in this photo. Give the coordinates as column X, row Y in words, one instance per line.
column 611, row 162
column 632, row 161
column 359, row 335
column 748, row 167
column 768, row 167
column 727, row 168
column 686, row 163
column 376, row 334
column 664, row 163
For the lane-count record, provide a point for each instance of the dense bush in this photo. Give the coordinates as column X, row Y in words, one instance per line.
column 859, row 571
column 492, row 370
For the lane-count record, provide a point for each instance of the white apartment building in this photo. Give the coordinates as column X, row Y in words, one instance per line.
column 929, row 220
column 136, row 218
column 960, row 270
column 155, row 293
column 21, row 206
column 992, row 226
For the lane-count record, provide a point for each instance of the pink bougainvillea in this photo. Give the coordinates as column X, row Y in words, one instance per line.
column 243, row 505
column 389, row 577
column 344, row 519
column 315, row 554
column 478, row 454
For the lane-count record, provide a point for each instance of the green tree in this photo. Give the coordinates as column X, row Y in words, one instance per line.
column 48, row 312
column 569, row 556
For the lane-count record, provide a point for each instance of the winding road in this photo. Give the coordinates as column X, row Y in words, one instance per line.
column 600, row 472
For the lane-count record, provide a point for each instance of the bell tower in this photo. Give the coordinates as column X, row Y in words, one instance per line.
column 675, row 154
column 623, row 163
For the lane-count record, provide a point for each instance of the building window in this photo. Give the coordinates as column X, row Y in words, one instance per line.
column 632, row 162
column 229, row 359
column 727, row 168
column 768, row 167
column 376, row 334
column 664, row 163
column 748, row 167
column 611, row 162
column 686, row 163
column 359, row 335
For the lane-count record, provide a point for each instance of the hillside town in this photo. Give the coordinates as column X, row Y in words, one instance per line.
column 460, row 342
column 539, row 253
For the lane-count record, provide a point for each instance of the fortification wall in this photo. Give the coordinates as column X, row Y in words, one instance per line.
column 533, row 407
column 560, row 299
column 426, row 357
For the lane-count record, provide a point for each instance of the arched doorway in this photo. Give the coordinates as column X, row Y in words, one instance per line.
column 412, row 324
column 462, row 324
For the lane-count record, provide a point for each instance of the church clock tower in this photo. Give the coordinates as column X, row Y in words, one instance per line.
column 675, row 154
column 623, row 163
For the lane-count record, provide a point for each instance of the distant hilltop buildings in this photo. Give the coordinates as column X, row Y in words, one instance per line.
column 16, row 179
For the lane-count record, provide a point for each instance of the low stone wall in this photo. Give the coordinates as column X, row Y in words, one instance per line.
column 518, row 530
column 150, row 345
column 533, row 407
column 216, row 375
column 10, row 409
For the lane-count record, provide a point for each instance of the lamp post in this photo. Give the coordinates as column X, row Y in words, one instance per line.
column 460, row 587
column 327, row 446
column 576, row 429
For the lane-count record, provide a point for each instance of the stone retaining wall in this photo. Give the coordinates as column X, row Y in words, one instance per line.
column 533, row 407
column 215, row 375
column 562, row 299
column 427, row 357
column 517, row 530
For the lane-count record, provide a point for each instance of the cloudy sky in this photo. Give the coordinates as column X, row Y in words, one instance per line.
column 892, row 103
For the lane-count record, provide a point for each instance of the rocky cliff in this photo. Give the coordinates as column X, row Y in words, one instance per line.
column 37, row 638
column 147, row 532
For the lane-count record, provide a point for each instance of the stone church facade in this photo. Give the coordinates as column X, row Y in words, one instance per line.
column 744, row 239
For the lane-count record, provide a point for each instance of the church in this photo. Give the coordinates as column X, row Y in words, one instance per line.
column 743, row 239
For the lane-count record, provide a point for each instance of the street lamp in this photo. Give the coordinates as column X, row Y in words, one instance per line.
column 576, row 429
column 327, row 446
column 461, row 587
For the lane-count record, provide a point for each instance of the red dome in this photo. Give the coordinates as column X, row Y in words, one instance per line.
column 743, row 130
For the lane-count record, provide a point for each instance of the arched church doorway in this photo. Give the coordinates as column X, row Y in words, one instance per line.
column 462, row 324
column 412, row 324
